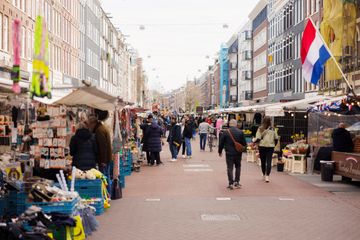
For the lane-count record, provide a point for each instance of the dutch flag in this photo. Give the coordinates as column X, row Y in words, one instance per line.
column 314, row 53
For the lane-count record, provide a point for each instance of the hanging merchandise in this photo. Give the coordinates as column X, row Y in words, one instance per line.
column 40, row 83
column 116, row 146
column 15, row 72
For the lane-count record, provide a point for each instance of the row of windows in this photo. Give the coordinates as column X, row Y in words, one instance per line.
column 260, row 83
column 92, row 59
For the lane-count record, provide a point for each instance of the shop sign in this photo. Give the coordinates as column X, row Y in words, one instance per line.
column 347, row 164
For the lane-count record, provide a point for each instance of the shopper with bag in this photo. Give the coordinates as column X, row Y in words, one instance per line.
column 234, row 143
column 267, row 138
column 174, row 139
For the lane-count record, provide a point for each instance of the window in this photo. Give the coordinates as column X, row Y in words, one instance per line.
column 260, row 83
column 6, row 34
column 260, row 39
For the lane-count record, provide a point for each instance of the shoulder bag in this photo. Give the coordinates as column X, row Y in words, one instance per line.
column 238, row 146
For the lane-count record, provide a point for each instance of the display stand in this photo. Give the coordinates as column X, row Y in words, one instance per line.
column 298, row 163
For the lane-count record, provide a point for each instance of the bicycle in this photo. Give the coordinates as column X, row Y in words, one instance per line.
column 211, row 138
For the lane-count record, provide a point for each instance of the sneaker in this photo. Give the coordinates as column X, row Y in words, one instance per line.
column 173, row 160
column 183, row 156
column 188, row 157
column 230, row 187
column 237, row 185
column 267, row 179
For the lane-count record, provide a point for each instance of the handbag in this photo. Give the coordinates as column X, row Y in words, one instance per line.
column 238, row 146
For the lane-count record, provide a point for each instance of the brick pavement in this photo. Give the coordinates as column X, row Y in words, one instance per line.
column 306, row 211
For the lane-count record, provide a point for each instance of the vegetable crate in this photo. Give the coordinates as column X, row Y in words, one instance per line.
column 98, row 204
column 61, row 207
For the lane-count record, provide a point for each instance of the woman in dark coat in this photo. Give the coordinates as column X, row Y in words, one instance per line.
column 153, row 137
column 83, row 149
column 144, row 127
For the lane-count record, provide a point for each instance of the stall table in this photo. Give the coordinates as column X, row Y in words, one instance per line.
column 347, row 164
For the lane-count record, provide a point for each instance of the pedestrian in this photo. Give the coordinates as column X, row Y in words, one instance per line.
column 174, row 139
column 83, row 148
column 144, row 139
column 267, row 138
column 342, row 141
column 194, row 126
column 228, row 139
column 187, row 133
column 103, row 141
column 154, row 142
column 203, row 131
column 219, row 124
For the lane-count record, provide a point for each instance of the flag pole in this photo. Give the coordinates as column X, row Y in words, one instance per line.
column 334, row 59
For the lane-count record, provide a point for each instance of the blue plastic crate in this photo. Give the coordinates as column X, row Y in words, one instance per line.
column 99, row 206
column 61, row 207
column 16, row 203
column 88, row 188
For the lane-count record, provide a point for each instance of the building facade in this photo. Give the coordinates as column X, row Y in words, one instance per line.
column 245, row 69
column 233, row 70
column 224, row 76
column 259, row 27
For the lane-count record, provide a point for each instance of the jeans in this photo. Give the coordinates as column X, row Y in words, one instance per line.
column 203, row 141
column 266, row 159
column 174, row 150
column 183, row 147
column 194, row 133
column 188, row 146
column 155, row 156
column 232, row 160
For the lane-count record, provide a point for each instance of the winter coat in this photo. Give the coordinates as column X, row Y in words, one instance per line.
column 102, row 136
column 188, row 131
column 84, row 149
column 227, row 143
column 144, row 139
column 174, row 134
column 154, row 133
column 342, row 141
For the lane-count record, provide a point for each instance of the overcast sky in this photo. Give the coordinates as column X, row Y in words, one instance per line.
column 178, row 34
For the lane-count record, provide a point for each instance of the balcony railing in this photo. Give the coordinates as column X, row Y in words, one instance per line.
column 248, row 35
column 248, row 95
column 233, row 66
column 233, row 98
column 247, row 55
column 233, row 82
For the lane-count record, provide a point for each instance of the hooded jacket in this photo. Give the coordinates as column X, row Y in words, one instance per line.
column 84, row 149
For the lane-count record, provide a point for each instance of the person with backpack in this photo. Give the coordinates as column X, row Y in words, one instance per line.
column 234, row 143
column 267, row 138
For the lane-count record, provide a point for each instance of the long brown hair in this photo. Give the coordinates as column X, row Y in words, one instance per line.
column 266, row 123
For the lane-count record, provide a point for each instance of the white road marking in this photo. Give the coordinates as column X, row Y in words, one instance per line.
column 223, row 199
column 152, row 200
column 196, row 165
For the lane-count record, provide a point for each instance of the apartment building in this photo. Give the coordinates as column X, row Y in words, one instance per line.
column 26, row 12
column 233, row 70
column 258, row 16
column 245, row 68
column 215, row 98
column 224, row 76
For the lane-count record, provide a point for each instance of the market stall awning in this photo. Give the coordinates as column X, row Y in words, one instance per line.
column 89, row 96
column 278, row 109
column 251, row 108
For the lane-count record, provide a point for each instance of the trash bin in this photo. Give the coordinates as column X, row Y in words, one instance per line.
column 327, row 170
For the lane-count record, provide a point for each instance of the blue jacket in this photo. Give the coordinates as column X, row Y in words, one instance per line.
column 83, row 149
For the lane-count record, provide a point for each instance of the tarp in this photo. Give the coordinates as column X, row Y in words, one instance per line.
column 278, row 109
column 89, row 96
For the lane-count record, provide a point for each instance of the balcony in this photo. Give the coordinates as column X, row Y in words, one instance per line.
column 246, row 55
column 233, row 98
column 233, row 82
column 248, row 95
column 247, row 75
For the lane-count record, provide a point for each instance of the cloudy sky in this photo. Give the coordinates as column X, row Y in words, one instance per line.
column 178, row 34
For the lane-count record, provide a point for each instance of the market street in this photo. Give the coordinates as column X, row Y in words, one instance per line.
column 188, row 199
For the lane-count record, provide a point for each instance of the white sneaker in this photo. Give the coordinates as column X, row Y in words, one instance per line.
column 267, row 179
column 188, row 157
column 183, row 156
column 173, row 160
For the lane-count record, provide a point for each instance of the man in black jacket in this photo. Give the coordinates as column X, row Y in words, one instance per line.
column 174, row 139
column 233, row 157
column 342, row 141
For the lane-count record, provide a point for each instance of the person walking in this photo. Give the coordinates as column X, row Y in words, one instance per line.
column 187, row 133
column 267, row 138
column 174, row 139
column 83, row 148
column 203, row 131
column 218, row 125
column 228, row 141
column 144, row 127
column 104, row 146
column 154, row 143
